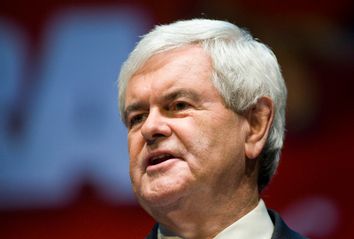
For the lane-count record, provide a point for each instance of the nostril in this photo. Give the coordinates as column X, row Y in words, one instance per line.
column 154, row 139
column 150, row 141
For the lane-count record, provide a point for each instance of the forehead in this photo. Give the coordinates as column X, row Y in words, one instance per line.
column 185, row 66
column 182, row 56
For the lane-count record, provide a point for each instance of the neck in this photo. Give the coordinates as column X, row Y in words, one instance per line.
column 201, row 218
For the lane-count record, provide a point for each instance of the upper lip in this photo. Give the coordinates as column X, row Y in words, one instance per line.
column 150, row 157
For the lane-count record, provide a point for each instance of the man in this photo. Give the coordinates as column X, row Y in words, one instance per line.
column 204, row 105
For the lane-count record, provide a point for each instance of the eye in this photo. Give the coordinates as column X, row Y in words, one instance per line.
column 136, row 119
column 179, row 106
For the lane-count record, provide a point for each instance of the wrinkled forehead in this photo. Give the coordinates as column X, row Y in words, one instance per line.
column 184, row 56
column 189, row 59
column 187, row 56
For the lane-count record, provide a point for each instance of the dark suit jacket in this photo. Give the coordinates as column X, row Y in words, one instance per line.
column 281, row 230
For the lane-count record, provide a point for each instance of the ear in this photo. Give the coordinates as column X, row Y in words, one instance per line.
column 259, row 118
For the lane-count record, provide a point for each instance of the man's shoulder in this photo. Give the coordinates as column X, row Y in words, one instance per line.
column 281, row 230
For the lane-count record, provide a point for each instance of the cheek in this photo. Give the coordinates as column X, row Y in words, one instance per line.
column 199, row 142
column 134, row 148
column 191, row 134
column 206, row 135
column 134, row 169
column 210, row 139
column 135, row 142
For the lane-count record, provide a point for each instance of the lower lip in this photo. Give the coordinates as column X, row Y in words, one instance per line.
column 161, row 167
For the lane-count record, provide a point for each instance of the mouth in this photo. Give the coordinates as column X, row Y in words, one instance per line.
column 154, row 160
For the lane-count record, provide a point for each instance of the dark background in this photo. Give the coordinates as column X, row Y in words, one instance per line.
column 63, row 159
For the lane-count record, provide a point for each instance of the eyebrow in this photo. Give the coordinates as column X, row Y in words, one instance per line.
column 175, row 94
column 179, row 93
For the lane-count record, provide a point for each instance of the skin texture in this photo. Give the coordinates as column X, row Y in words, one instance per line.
column 210, row 179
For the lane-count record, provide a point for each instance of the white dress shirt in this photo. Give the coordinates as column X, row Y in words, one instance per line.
column 254, row 225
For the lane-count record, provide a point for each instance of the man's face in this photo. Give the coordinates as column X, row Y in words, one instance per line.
column 184, row 144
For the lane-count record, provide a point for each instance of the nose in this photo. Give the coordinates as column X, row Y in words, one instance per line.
column 155, row 127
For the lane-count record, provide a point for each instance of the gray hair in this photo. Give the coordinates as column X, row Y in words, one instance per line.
column 243, row 71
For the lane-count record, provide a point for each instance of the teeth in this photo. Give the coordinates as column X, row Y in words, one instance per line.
column 160, row 159
column 161, row 156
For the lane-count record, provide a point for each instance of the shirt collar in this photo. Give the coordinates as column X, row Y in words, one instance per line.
column 256, row 225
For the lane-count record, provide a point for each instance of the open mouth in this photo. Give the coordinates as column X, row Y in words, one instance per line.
column 160, row 158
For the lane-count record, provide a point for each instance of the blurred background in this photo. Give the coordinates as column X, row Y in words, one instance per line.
column 63, row 156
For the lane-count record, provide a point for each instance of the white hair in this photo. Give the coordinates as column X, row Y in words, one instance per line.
column 243, row 71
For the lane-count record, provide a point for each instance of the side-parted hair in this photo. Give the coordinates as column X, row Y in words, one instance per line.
column 243, row 71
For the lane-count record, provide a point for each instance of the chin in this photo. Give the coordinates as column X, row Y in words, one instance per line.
column 160, row 199
column 163, row 190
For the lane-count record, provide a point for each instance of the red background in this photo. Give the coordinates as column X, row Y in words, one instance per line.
column 311, row 40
